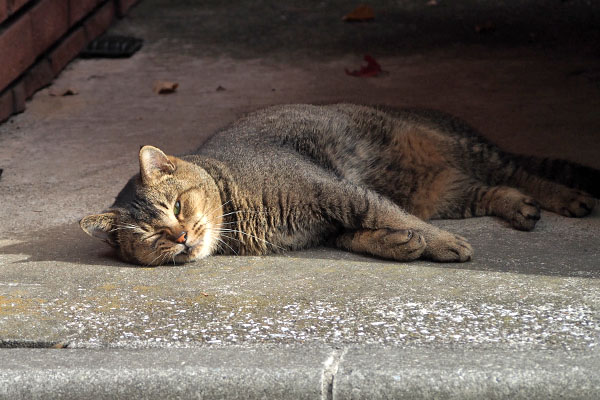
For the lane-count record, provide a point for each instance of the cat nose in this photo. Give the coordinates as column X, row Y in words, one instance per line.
column 182, row 238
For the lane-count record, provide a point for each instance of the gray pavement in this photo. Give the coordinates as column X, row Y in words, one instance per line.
column 522, row 320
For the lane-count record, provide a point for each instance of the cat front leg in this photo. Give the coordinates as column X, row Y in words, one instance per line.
column 375, row 225
column 399, row 245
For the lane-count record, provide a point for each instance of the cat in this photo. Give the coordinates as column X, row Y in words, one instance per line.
column 364, row 179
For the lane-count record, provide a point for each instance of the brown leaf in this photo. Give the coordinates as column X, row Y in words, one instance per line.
column 371, row 69
column 62, row 92
column 361, row 13
column 165, row 87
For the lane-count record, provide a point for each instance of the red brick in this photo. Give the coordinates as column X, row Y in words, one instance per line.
column 3, row 10
column 124, row 5
column 100, row 21
column 79, row 9
column 19, row 97
column 37, row 77
column 6, row 105
column 14, row 5
column 67, row 50
column 50, row 20
column 16, row 50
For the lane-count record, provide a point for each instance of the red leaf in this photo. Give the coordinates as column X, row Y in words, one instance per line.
column 371, row 69
column 361, row 13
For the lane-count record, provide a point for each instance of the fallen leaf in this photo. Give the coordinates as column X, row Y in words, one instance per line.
column 371, row 69
column 361, row 13
column 165, row 87
column 220, row 88
column 487, row 27
column 204, row 294
column 62, row 92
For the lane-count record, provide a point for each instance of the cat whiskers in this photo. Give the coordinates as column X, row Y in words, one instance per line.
column 210, row 213
column 233, row 222
column 245, row 211
column 222, row 241
column 151, row 263
column 249, row 235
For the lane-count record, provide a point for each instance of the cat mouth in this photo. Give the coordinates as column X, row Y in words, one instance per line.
column 187, row 249
column 190, row 248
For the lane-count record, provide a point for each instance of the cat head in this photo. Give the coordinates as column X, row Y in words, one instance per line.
column 170, row 212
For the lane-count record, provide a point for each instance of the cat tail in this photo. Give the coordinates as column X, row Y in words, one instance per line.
column 564, row 172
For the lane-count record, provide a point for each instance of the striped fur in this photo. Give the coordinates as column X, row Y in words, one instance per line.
column 362, row 178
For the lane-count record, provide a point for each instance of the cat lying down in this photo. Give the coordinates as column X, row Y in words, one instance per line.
column 361, row 178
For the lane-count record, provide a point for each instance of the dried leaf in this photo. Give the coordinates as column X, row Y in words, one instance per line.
column 371, row 69
column 204, row 294
column 62, row 92
column 487, row 27
column 165, row 87
column 220, row 88
column 361, row 13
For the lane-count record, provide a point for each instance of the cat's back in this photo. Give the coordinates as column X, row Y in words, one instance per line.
column 308, row 129
column 341, row 137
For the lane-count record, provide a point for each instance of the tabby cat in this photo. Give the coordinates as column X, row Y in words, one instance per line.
column 361, row 178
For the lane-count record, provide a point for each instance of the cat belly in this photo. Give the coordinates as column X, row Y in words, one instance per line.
column 301, row 238
column 414, row 171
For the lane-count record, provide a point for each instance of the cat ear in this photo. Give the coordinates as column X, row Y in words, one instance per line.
column 154, row 164
column 100, row 225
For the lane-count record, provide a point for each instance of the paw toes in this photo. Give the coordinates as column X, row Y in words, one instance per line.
column 527, row 215
column 450, row 248
column 399, row 237
column 575, row 204
column 404, row 245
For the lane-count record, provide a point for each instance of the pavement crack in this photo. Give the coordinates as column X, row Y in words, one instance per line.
column 330, row 368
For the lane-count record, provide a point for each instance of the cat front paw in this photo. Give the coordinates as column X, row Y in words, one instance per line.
column 447, row 247
column 403, row 245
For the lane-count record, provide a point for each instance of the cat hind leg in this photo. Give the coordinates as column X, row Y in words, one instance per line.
column 520, row 210
column 474, row 199
column 559, row 186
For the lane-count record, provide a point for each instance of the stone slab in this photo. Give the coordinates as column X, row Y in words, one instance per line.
column 459, row 373
column 228, row 373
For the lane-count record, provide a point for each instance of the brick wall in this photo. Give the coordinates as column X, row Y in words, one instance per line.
column 38, row 38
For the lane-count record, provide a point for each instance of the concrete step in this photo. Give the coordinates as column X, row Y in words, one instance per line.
column 299, row 372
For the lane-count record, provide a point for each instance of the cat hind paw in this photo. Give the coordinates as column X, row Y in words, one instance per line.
column 577, row 204
column 526, row 215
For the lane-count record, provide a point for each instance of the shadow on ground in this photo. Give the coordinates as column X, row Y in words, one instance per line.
column 498, row 249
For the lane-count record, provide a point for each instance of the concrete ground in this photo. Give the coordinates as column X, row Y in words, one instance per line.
column 522, row 320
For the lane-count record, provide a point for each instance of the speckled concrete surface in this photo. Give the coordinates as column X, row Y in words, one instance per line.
column 548, row 299
column 535, row 292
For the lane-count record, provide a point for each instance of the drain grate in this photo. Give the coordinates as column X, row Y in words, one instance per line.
column 31, row 344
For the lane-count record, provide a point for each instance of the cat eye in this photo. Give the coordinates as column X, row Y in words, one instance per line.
column 177, row 208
